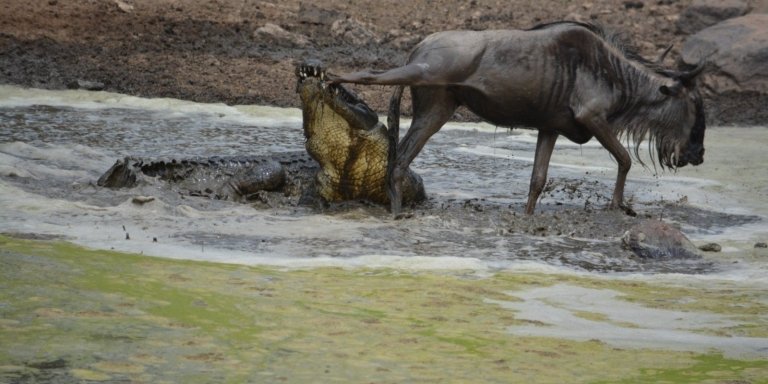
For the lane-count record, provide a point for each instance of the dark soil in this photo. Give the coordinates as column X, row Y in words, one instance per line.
column 211, row 51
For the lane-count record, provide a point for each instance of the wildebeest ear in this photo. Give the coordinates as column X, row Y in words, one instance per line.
column 672, row 90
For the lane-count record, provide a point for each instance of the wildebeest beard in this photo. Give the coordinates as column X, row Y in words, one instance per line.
column 670, row 144
column 674, row 149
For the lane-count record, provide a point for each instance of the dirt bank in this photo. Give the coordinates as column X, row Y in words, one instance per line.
column 244, row 52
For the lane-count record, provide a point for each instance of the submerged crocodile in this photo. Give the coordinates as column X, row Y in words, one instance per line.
column 346, row 158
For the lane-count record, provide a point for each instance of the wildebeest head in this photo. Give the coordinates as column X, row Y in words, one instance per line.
column 687, row 148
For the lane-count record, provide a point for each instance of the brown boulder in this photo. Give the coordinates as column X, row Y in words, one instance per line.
column 705, row 13
column 759, row 6
column 737, row 54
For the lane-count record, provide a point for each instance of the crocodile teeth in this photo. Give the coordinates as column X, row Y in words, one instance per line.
column 322, row 75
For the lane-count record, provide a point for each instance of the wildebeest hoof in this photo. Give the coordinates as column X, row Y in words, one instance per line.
column 624, row 207
column 628, row 210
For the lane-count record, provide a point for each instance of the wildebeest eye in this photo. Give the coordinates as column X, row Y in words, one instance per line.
column 674, row 90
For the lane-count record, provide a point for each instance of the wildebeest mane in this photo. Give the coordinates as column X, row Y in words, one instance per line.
column 614, row 39
column 664, row 135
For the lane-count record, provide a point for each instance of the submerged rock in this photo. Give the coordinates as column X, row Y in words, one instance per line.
column 711, row 247
column 141, row 200
column 655, row 239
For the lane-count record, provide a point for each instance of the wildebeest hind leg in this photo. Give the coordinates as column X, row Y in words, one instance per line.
column 432, row 107
column 545, row 144
column 411, row 74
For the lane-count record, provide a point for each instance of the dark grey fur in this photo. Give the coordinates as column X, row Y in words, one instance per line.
column 564, row 78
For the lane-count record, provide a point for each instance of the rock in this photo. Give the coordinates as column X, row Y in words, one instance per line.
column 705, row 13
column 274, row 34
column 711, row 247
column 402, row 39
column 761, row 245
column 86, row 85
column 736, row 51
column 575, row 16
column 141, row 200
column 355, row 32
column 405, row 43
column 655, row 239
column 312, row 14
column 124, row 6
column 759, row 6
column 633, row 4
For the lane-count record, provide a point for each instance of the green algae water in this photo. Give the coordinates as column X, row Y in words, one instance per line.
column 72, row 315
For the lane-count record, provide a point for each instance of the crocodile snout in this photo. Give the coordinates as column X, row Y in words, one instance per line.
column 310, row 68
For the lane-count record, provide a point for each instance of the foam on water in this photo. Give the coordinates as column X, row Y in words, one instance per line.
column 12, row 96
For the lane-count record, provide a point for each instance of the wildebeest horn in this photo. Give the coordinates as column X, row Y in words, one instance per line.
column 663, row 55
column 690, row 75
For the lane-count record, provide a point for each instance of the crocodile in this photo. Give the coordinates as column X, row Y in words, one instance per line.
column 347, row 149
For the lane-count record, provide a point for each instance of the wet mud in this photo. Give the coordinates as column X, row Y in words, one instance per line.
column 476, row 181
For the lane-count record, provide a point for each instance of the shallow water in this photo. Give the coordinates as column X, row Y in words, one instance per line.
column 55, row 144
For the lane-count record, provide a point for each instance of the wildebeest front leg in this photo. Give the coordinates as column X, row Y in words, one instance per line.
column 605, row 135
column 545, row 144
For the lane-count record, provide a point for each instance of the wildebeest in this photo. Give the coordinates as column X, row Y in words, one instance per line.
column 563, row 78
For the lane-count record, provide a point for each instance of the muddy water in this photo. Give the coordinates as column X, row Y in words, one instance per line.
column 54, row 145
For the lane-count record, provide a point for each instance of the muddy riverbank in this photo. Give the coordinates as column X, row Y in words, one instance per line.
column 245, row 52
